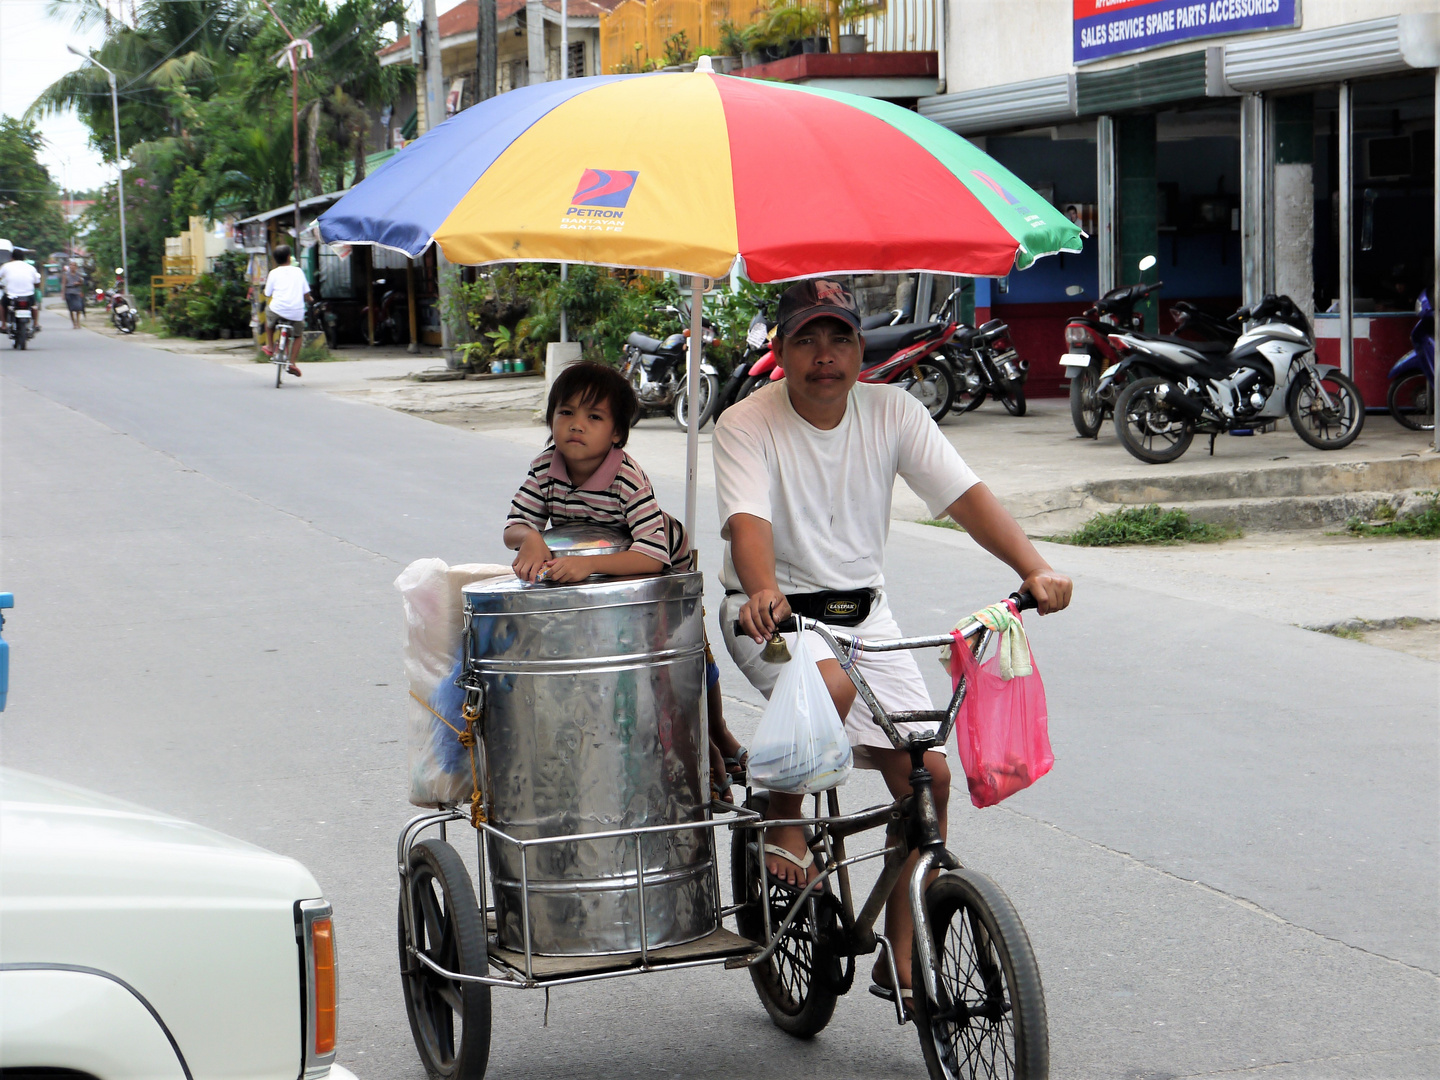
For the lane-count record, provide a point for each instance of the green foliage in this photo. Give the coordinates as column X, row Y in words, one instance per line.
column 784, row 23
column 215, row 301
column 731, row 313
column 28, row 215
column 851, row 12
column 732, row 38
column 205, row 114
column 1145, row 525
column 677, row 49
column 1423, row 526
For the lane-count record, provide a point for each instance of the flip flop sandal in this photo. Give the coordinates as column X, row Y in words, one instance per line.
column 803, row 864
column 907, row 997
column 735, row 766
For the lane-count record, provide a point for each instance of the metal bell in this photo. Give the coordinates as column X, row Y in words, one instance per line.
column 775, row 652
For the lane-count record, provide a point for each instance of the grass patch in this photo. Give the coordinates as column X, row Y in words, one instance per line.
column 1350, row 633
column 941, row 523
column 1145, row 525
column 1423, row 526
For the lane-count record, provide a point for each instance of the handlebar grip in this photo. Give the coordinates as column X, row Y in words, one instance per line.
column 784, row 626
column 1024, row 601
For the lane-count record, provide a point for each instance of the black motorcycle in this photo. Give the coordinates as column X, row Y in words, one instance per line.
column 657, row 371
column 985, row 364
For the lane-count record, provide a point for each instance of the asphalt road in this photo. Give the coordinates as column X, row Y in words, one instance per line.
column 1231, row 870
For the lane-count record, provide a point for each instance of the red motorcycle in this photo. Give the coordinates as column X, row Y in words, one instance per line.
column 910, row 356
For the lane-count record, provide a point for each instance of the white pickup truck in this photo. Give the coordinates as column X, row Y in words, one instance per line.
column 136, row 945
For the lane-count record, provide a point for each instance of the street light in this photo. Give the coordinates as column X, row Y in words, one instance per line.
column 119, row 171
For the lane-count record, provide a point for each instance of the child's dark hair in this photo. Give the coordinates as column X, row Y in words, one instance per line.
column 594, row 383
column 281, row 254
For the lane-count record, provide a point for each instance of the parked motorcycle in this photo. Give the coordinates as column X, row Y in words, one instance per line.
column 757, row 358
column 1411, row 398
column 21, row 326
column 908, row 355
column 117, row 304
column 657, row 371
column 1091, row 355
column 986, row 364
column 1270, row 372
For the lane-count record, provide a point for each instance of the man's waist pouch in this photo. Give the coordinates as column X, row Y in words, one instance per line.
column 834, row 607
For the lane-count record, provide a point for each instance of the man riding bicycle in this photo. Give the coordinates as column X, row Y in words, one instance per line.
column 804, row 472
column 288, row 289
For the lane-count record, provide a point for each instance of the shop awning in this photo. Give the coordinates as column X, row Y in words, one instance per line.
column 1350, row 51
column 1024, row 104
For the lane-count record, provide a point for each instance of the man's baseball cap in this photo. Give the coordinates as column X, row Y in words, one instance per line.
column 815, row 299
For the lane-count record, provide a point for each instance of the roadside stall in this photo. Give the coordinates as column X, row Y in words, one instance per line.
column 572, row 717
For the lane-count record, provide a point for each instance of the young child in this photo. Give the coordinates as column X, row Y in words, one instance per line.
column 585, row 477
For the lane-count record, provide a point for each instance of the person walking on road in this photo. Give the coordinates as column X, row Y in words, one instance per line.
column 72, row 284
column 288, row 289
column 804, row 472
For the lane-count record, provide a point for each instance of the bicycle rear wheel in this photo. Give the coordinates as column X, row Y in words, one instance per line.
column 992, row 1021
column 799, row 984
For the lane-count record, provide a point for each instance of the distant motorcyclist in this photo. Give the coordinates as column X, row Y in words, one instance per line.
column 19, row 278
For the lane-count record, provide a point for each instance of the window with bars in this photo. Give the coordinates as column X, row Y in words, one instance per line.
column 575, row 65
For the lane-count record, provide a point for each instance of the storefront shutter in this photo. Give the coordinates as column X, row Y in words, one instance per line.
column 1335, row 54
column 1024, row 104
column 1151, row 82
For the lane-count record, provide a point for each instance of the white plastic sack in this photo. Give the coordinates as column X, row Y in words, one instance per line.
column 800, row 746
column 434, row 653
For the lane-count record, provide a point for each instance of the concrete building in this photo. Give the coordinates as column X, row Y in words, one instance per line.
column 1251, row 145
column 527, row 34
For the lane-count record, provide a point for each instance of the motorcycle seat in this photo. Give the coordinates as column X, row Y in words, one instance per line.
column 884, row 342
column 1207, row 348
column 643, row 343
column 874, row 322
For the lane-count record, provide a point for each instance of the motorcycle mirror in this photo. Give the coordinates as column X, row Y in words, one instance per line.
column 1074, row 290
column 119, row 271
column 1147, row 263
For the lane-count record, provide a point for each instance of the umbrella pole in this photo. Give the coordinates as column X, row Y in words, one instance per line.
column 692, row 379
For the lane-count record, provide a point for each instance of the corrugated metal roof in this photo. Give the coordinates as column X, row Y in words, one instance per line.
column 1151, row 82
column 1022, row 104
column 1335, row 54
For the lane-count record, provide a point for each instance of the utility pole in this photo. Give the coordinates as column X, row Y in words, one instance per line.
column 291, row 54
column 564, row 74
column 486, row 64
column 434, row 69
column 119, row 171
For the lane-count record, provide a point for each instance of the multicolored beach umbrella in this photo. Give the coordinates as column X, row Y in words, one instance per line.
column 702, row 173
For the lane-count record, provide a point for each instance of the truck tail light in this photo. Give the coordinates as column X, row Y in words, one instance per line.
column 319, row 1005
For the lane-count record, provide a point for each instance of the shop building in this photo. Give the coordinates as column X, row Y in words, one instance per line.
column 1252, row 146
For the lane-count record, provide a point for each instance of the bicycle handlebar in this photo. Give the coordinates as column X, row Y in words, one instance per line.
column 1023, row 601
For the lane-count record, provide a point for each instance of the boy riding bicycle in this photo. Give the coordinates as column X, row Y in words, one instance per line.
column 288, row 289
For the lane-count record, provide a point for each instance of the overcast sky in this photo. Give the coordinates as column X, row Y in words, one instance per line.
column 32, row 56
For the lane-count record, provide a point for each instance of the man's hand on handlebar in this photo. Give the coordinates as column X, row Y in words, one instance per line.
column 761, row 612
column 1050, row 588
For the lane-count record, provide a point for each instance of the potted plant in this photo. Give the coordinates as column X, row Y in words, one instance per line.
column 851, row 13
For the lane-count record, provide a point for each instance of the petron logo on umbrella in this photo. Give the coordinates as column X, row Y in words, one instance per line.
column 598, row 204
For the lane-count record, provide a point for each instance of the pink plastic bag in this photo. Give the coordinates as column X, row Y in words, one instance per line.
column 1002, row 731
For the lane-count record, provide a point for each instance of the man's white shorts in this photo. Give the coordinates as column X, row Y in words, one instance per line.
column 893, row 676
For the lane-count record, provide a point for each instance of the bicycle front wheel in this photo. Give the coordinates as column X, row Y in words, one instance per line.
column 991, row 1021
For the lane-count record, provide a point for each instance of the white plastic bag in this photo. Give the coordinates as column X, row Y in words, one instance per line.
column 434, row 619
column 800, row 745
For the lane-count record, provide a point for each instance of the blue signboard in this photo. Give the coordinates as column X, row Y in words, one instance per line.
column 1111, row 27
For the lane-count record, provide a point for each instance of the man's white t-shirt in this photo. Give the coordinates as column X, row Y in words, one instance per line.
column 18, row 278
column 286, row 286
column 827, row 494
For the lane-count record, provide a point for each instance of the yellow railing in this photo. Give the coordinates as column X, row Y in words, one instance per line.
column 635, row 31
